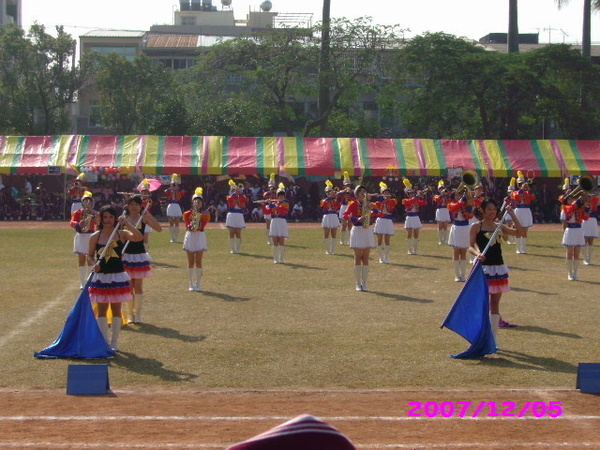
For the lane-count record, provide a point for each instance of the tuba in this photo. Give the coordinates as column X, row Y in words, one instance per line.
column 468, row 182
column 585, row 186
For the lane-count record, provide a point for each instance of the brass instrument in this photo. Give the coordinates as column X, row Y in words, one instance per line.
column 195, row 220
column 86, row 220
column 586, row 184
column 365, row 217
column 469, row 181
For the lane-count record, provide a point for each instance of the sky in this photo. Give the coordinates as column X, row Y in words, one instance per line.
column 468, row 18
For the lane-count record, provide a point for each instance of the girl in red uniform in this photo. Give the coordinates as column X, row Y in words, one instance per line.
column 236, row 203
column 174, row 195
column 330, row 207
column 84, row 222
column 590, row 228
column 384, row 225
column 412, row 224
column 76, row 192
column 442, row 215
column 194, row 242
column 461, row 211
column 361, row 213
column 268, row 196
column 279, row 228
column 345, row 196
column 522, row 198
column 573, row 239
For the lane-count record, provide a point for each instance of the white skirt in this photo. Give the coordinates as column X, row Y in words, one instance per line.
column 459, row 236
column 81, row 243
column 573, row 237
column 174, row 210
column 235, row 220
column 413, row 223
column 330, row 221
column 278, row 227
column 194, row 242
column 361, row 237
column 384, row 226
column 525, row 217
column 343, row 209
column 442, row 215
column 590, row 228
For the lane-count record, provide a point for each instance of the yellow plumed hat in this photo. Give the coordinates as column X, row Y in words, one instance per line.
column 521, row 178
column 347, row 178
column 81, row 176
column 175, row 179
column 407, row 184
column 198, row 193
column 281, row 188
column 86, row 194
column 328, row 185
column 383, row 187
column 272, row 179
column 441, row 184
column 567, row 184
column 513, row 184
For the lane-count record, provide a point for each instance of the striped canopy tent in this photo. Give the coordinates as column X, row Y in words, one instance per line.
column 34, row 154
column 219, row 155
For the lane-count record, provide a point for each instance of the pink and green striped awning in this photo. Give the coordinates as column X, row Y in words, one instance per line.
column 219, row 155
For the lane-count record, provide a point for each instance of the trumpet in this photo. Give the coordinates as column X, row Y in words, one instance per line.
column 585, row 187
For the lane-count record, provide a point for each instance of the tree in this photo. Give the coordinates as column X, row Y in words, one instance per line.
column 137, row 96
column 586, row 38
column 37, row 80
column 359, row 53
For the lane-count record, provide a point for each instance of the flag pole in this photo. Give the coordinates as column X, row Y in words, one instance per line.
column 136, row 225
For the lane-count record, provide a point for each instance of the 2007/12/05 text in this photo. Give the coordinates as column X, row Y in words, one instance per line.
column 484, row 408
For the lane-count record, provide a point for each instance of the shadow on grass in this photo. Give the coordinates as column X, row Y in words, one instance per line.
column 542, row 330
column 225, row 297
column 149, row 366
column 517, row 289
column 411, row 266
column 165, row 265
column 443, row 258
column 170, row 333
column 400, row 298
column 518, row 360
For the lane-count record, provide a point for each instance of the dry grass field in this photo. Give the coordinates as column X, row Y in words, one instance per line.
column 265, row 342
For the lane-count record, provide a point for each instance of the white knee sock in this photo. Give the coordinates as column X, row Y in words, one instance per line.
column 495, row 322
column 83, row 274
column 463, row 269
column 115, row 330
column 103, row 325
column 365, row 276
column 358, row 273
column 386, row 252
column 198, row 271
column 138, row 304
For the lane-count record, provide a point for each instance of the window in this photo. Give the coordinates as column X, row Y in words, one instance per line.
column 188, row 20
column 128, row 53
column 95, row 114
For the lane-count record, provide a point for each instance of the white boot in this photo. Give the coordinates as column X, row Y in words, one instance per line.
column 115, row 330
column 575, row 269
column 269, row 240
column 570, row 270
column 590, row 253
column 128, row 309
column 440, row 237
column 83, row 274
column 519, row 244
column 343, row 237
column 332, row 246
column 463, row 269
column 103, row 325
column 231, row 245
column 327, row 242
column 409, row 245
column 386, row 253
column 457, row 270
column 281, row 253
column 365, row 277
column 524, row 245
column 175, row 234
column 192, row 281
column 198, row 276
column 358, row 273
column 415, row 246
column 380, row 253
column 138, row 303
column 495, row 321
column 238, row 245
column 172, row 232
column 276, row 254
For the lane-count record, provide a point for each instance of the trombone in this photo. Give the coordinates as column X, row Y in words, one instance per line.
column 585, row 186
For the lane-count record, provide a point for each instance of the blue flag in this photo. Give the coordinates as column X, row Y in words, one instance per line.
column 81, row 337
column 470, row 317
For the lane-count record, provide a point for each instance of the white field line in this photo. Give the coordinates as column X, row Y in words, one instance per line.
column 34, row 317
column 268, row 418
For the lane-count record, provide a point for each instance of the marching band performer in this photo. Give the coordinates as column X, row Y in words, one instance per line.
column 566, row 188
column 510, row 239
column 384, row 225
column 330, row 207
column 476, row 200
column 494, row 268
column 194, row 242
column 279, row 227
column 268, row 196
column 412, row 224
column 523, row 197
column 590, row 228
column 236, row 202
column 136, row 261
column 442, row 215
column 146, row 205
column 110, row 283
column 345, row 196
column 174, row 195
column 76, row 191
column 362, row 240
column 461, row 211
column 573, row 239
column 84, row 222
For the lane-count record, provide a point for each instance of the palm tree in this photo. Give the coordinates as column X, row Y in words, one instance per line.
column 586, row 38
column 513, row 26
